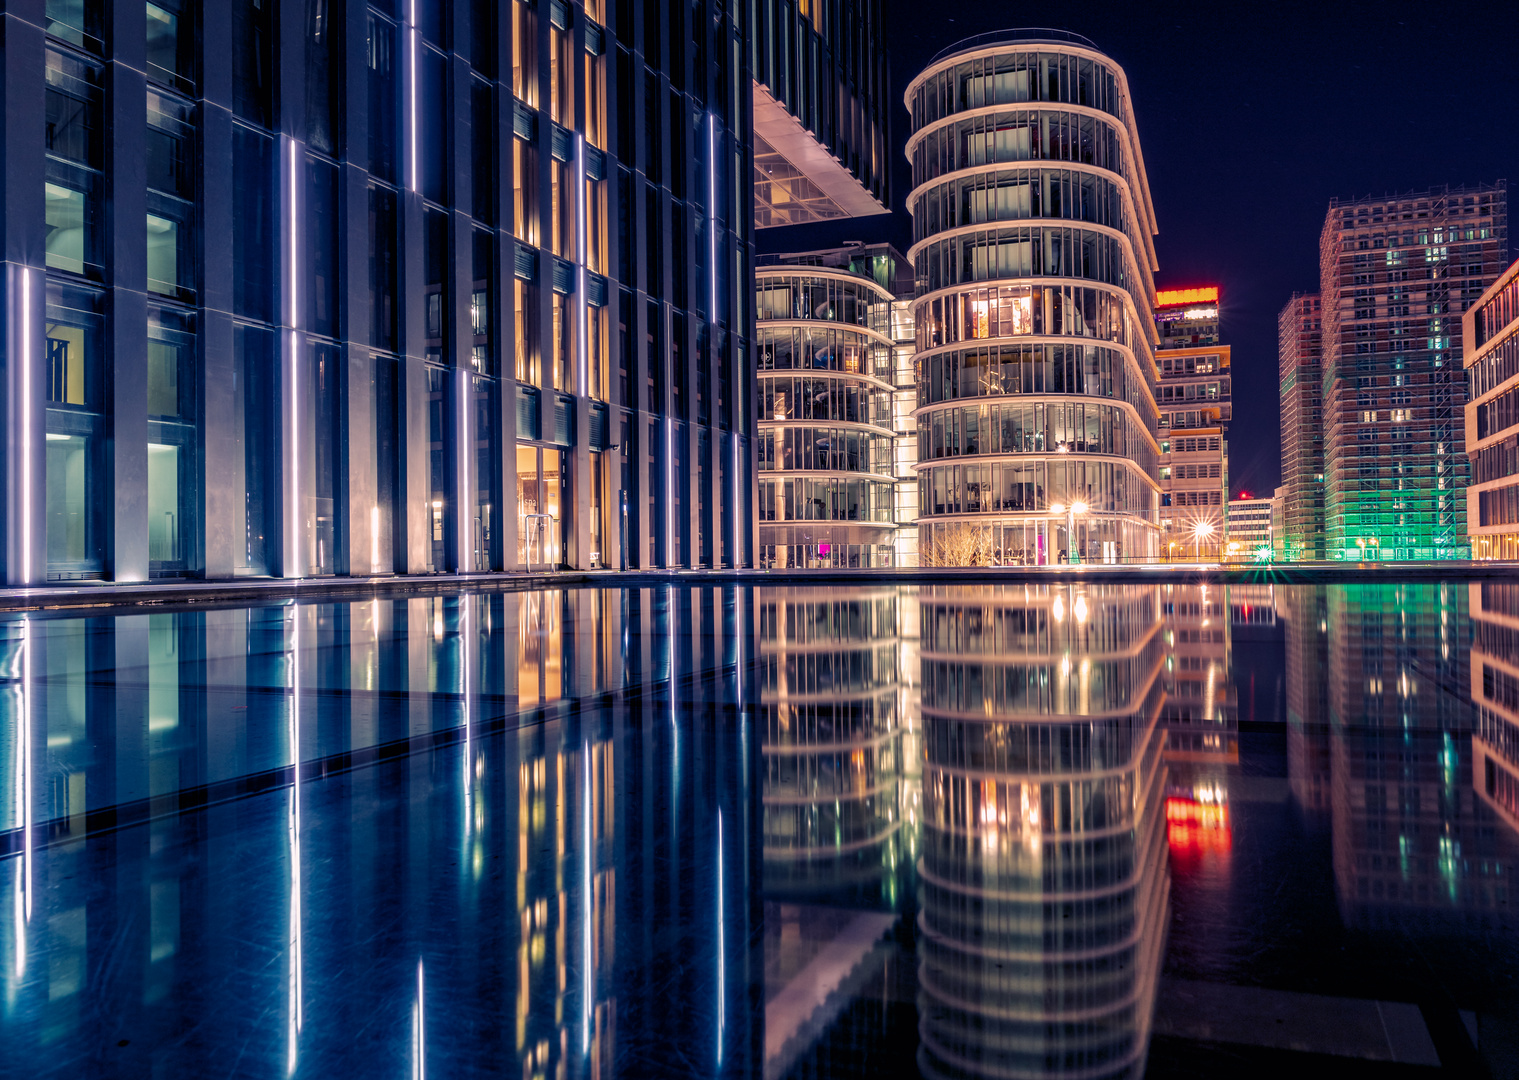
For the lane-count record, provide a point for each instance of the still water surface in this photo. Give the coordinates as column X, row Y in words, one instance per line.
column 1002, row 831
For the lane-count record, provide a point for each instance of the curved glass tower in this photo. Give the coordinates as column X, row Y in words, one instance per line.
column 827, row 478
column 1043, row 869
column 1033, row 257
column 832, row 744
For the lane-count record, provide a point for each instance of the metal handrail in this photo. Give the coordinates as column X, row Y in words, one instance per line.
column 1030, row 35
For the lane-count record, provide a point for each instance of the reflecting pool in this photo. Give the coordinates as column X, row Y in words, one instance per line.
column 1055, row 830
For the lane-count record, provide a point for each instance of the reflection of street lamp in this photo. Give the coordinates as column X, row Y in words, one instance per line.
column 1202, row 529
column 1070, row 513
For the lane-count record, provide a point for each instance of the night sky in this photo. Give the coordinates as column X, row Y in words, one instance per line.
column 1251, row 118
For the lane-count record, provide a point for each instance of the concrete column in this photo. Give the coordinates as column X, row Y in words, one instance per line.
column 222, row 480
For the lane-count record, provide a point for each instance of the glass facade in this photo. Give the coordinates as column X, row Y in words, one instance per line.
column 304, row 300
column 1491, row 358
column 826, row 447
column 1032, row 319
column 1396, row 275
column 1300, row 361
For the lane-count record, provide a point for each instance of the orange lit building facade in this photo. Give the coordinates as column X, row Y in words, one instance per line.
column 1194, row 401
column 1490, row 333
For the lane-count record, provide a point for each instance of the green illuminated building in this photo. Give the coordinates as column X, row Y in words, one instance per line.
column 1395, row 275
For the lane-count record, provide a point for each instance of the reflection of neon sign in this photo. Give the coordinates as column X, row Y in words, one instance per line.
column 1208, row 294
column 1195, row 825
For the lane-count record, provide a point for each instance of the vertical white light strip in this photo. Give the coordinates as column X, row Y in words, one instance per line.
column 27, row 511
column 712, row 221
column 721, row 945
column 669, row 489
column 411, row 98
column 580, row 268
column 465, row 517
column 294, row 365
column 588, row 907
column 419, row 1031
column 293, row 829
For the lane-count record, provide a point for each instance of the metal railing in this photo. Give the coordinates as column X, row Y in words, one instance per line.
column 1025, row 35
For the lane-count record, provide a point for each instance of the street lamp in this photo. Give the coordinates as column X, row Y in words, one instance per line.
column 1070, row 513
column 1202, row 529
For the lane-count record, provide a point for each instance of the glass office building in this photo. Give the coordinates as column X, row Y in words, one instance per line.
column 1034, row 258
column 828, row 488
column 332, row 287
column 1395, row 275
column 1300, row 362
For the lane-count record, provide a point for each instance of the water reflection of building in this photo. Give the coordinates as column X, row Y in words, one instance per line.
column 1306, row 612
column 1043, row 874
column 515, row 835
column 1409, row 834
column 1495, row 693
column 1200, row 715
column 831, row 740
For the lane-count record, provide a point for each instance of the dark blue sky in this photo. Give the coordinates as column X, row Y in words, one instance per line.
column 1251, row 118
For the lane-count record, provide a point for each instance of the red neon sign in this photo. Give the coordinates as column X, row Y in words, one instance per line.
column 1207, row 294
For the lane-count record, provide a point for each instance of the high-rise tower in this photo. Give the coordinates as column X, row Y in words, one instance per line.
column 1034, row 260
column 1299, row 353
column 1395, row 275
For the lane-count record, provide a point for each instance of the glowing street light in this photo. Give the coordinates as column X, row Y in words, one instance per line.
column 1202, row 529
column 1070, row 513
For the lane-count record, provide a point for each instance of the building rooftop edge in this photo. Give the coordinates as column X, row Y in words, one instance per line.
column 1025, row 35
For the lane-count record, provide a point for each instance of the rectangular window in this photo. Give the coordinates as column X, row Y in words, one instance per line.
column 324, row 77
column 170, row 46
column 524, row 53
column 255, row 424
column 432, row 107
column 384, row 309
column 75, row 332
column 79, row 22
column 252, row 60
column 173, row 437
column 482, row 304
column 563, row 341
column 561, row 76
column 483, row 142
column 525, row 191
column 253, row 226
column 384, row 129
column 525, row 310
column 435, row 283
column 323, row 246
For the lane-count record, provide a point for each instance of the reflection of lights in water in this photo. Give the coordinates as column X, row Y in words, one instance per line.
column 23, row 713
column 419, row 1031
column 587, row 905
column 293, row 830
column 1200, row 823
column 721, row 960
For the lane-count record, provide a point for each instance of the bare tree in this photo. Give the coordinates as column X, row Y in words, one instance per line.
column 958, row 543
